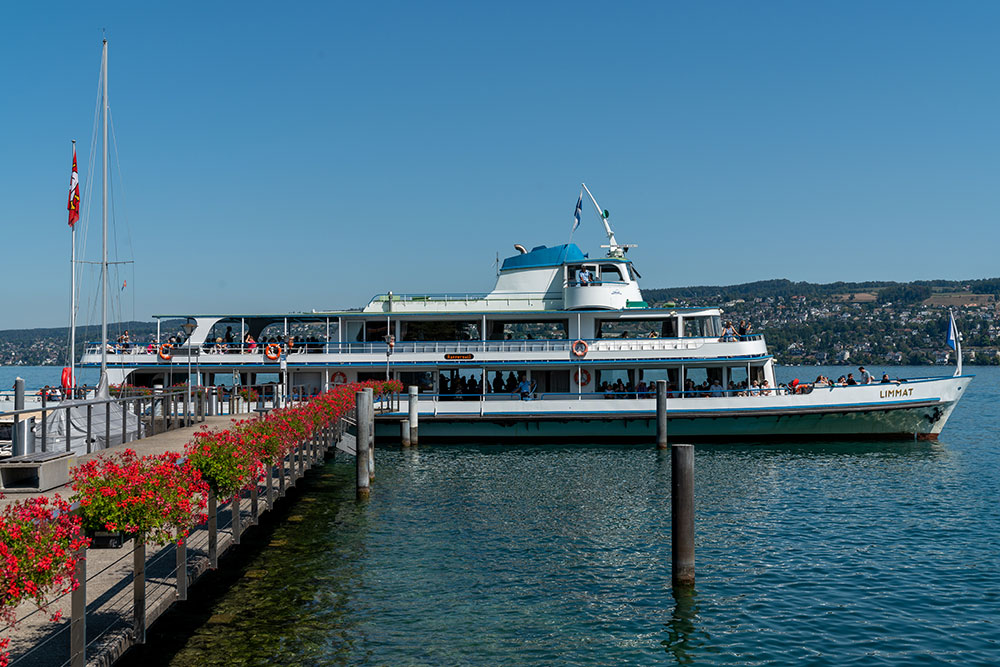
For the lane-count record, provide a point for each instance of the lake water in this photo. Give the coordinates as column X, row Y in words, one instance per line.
column 881, row 553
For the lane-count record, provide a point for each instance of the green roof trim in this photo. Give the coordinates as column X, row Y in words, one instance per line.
column 636, row 304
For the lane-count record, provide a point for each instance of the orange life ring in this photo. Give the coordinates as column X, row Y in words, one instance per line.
column 165, row 351
column 580, row 348
column 338, row 378
column 585, row 374
column 272, row 351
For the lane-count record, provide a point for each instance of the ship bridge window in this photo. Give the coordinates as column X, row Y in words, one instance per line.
column 709, row 326
column 543, row 330
column 438, row 331
column 644, row 328
column 611, row 273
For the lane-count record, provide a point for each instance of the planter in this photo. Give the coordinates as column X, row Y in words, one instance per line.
column 104, row 539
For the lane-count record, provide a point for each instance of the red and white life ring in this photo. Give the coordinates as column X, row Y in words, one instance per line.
column 580, row 348
column 272, row 351
column 67, row 378
column 165, row 351
column 582, row 374
column 338, row 378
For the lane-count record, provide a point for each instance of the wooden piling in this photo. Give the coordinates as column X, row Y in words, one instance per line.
column 182, row 570
column 412, row 397
column 237, row 524
column 139, row 590
column 404, row 432
column 213, row 531
column 78, row 614
column 661, row 414
column 361, row 414
column 682, row 514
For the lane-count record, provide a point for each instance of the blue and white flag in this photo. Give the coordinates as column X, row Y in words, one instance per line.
column 576, row 212
column 952, row 339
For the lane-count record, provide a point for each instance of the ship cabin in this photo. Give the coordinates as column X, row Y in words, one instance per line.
column 568, row 325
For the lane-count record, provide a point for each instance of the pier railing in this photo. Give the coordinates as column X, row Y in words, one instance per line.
column 84, row 426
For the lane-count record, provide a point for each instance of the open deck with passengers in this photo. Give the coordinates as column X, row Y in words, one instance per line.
column 563, row 347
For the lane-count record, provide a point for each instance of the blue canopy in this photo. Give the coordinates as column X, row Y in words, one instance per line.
column 542, row 256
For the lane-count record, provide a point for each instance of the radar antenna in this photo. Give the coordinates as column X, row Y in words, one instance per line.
column 614, row 248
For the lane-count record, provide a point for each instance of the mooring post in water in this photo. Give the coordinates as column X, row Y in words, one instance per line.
column 371, row 433
column 404, row 432
column 682, row 513
column 78, row 613
column 182, row 569
column 139, row 589
column 213, row 531
column 412, row 396
column 361, row 442
column 661, row 414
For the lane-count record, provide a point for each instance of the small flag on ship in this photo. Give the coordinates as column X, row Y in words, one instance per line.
column 952, row 339
column 124, row 283
column 74, row 192
column 576, row 212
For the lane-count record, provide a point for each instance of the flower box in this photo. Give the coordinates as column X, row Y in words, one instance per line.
column 106, row 539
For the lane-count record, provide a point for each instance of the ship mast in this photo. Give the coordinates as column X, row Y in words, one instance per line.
column 614, row 249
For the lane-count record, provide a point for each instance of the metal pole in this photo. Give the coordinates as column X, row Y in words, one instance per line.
column 45, row 421
column 19, row 405
column 139, row 589
column 90, row 423
column 682, row 514
column 78, row 614
column 69, row 431
column 413, row 392
column 361, row 414
column 124, row 406
column 107, row 424
column 661, row 414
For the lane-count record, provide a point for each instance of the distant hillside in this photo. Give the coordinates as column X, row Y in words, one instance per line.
column 45, row 347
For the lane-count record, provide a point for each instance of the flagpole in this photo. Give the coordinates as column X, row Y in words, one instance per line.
column 72, row 294
column 958, row 342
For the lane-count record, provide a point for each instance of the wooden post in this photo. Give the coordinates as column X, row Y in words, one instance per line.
column 371, row 433
column 254, row 508
column 269, row 480
column 661, row 414
column 682, row 513
column 413, row 392
column 404, row 432
column 234, row 507
column 182, row 569
column 213, row 531
column 139, row 589
column 78, row 614
column 124, row 406
column 361, row 413
column 281, row 476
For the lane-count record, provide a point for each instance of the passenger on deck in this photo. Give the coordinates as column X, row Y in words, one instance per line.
column 866, row 377
column 689, row 388
column 642, row 389
column 885, row 379
column 850, row 379
column 729, row 333
column 525, row 388
column 229, row 337
column 765, row 388
column 716, row 389
column 511, row 385
column 219, row 347
column 842, row 381
column 583, row 277
column 250, row 343
column 498, row 383
column 744, row 329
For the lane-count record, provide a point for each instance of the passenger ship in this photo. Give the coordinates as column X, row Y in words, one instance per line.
column 559, row 350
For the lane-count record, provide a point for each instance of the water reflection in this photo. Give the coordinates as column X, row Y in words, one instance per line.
column 685, row 641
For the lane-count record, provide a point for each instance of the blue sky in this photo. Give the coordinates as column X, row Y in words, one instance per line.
column 290, row 156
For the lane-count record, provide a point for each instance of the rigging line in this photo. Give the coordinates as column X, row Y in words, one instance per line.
column 125, row 222
column 88, row 193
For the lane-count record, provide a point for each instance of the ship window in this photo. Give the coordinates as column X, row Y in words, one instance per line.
column 611, row 376
column 702, row 327
column 611, row 273
column 422, row 379
column 460, row 383
column 439, row 331
column 651, row 375
column 543, row 330
column 645, row 328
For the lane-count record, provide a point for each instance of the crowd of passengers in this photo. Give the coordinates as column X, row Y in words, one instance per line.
column 464, row 388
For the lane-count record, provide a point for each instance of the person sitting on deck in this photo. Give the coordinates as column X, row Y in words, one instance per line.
column 850, row 379
column 729, row 333
column 583, row 277
column 716, row 389
column 885, row 379
column 765, row 388
column 250, row 342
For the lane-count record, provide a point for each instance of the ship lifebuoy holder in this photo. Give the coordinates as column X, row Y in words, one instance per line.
column 272, row 351
column 580, row 348
column 582, row 374
column 338, row 378
column 165, row 351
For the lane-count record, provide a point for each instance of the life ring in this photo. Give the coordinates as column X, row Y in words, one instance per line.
column 582, row 373
column 272, row 351
column 67, row 378
column 165, row 351
column 338, row 378
column 580, row 348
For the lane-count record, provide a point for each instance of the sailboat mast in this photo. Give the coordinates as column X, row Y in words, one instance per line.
column 104, row 215
column 72, row 294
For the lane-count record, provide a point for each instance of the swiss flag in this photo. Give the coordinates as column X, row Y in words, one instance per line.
column 74, row 192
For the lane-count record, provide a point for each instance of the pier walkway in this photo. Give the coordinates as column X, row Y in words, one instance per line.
column 117, row 610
